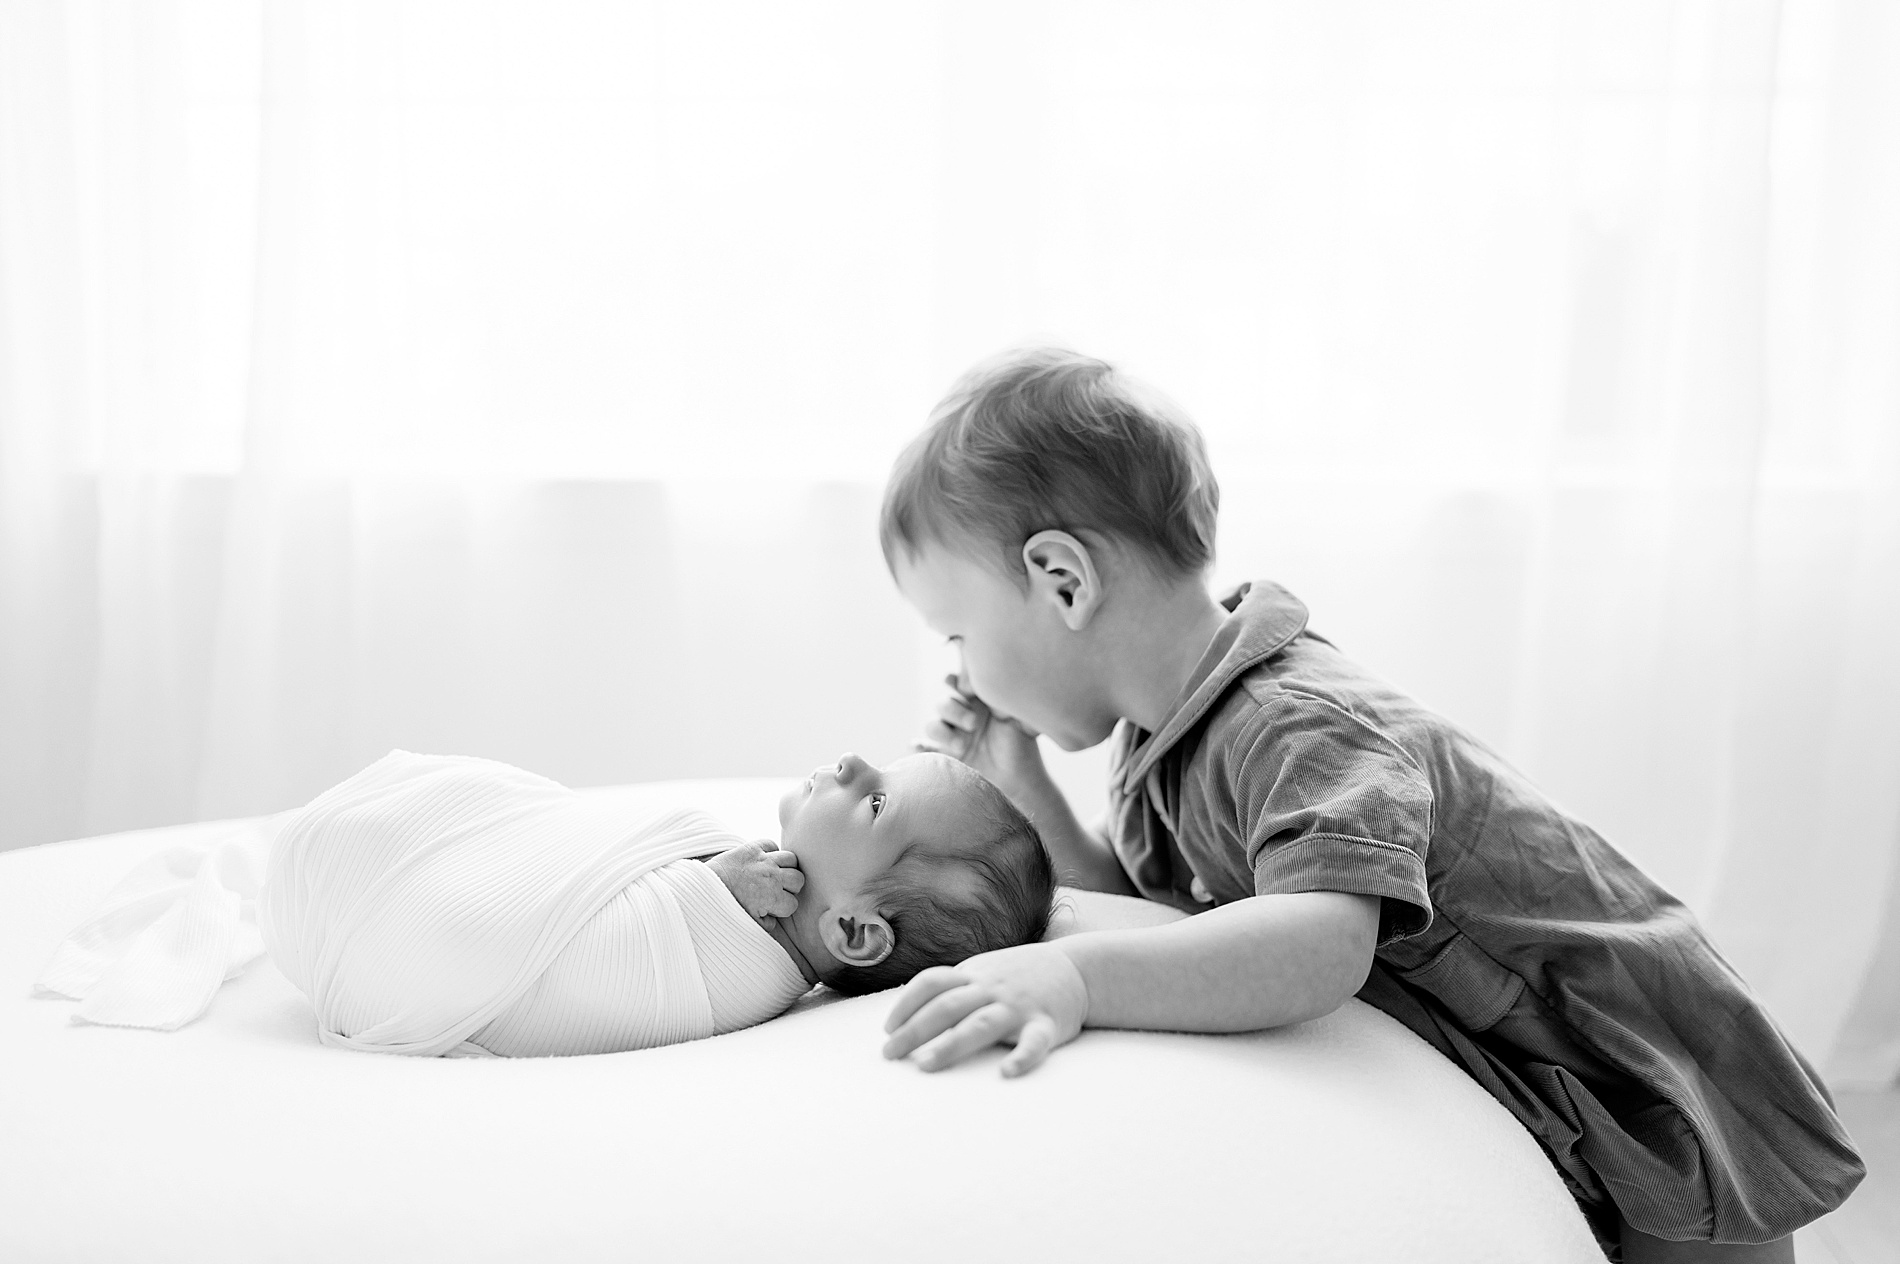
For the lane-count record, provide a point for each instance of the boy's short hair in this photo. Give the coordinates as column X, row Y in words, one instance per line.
column 938, row 923
column 1042, row 439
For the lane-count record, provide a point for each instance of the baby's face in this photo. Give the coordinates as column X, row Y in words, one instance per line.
column 849, row 822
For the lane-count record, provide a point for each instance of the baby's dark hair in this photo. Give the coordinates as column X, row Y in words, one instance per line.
column 936, row 924
column 1047, row 439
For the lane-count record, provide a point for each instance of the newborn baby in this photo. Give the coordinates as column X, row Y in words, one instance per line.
column 439, row 905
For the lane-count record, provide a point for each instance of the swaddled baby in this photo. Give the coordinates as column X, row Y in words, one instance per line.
column 442, row 905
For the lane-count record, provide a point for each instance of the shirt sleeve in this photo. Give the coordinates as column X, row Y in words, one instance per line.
column 1329, row 803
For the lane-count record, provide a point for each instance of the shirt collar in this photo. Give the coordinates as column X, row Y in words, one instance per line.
column 1263, row 618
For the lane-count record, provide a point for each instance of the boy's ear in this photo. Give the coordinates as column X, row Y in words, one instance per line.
column 1062, row 572
column 856, row 936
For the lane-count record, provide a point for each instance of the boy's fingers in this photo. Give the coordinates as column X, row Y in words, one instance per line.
column 939, row 1014
column 925, row 985
column 989, row 1024
column 1037, row 1041
column 792, row 880
column 784, row 859
column 957, row 714
column 961, row 688
column 783, row 905
column 764, row 844
column 948, row 740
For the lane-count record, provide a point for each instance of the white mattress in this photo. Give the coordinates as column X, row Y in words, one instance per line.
column 242, row 1138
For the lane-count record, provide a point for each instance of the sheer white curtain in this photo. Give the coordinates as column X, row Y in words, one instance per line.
column 518, row 379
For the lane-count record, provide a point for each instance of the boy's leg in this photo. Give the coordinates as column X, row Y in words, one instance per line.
column 1640, row 1248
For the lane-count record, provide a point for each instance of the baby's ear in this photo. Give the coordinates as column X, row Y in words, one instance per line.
column 855, row 937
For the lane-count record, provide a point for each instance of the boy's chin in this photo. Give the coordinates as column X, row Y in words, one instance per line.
column 1076, row 741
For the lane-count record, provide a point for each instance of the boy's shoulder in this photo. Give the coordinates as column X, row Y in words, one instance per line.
column 1275, row 740
column 1266, row 677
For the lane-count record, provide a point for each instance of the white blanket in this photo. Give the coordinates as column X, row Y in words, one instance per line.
column 441, row 905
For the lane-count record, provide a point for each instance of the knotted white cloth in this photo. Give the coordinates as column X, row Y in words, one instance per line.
column 166, row 936
column 443, row 905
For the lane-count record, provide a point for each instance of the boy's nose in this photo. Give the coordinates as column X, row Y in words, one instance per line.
column 850, row 767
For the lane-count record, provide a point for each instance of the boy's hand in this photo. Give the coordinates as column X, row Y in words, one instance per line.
column 1030, row 996
column 1002, row 750
column 764, row 879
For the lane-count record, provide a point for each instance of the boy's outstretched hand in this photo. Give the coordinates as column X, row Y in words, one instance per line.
column 764, row 878
column 1030, row 996
column 965, row 728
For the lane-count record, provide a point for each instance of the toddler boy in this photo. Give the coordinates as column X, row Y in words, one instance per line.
column 1336, row 837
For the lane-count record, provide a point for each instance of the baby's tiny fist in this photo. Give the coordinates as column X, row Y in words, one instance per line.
column 761, row 878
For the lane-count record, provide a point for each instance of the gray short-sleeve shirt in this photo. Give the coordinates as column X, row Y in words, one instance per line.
column 1512, row 937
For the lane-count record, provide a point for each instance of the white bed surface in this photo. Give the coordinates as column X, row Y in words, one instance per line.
column 241, row 1137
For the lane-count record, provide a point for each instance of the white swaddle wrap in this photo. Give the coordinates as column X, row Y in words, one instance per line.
column 433, row 904
column 444, row 905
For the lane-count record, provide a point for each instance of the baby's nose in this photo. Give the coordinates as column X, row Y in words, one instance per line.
column 850, row 767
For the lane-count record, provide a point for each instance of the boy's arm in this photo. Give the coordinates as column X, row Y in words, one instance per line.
column 1082, row 855
column 1006, row 753
column 1260, row 962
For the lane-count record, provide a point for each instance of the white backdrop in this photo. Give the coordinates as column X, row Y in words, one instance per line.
column 518, row 379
